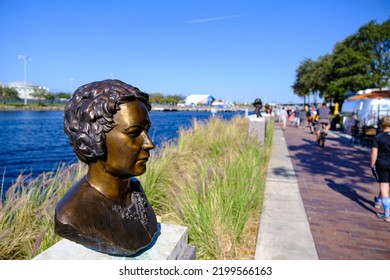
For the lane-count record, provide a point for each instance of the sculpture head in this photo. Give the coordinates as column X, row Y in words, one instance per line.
column 93, row 113
column 257, row 101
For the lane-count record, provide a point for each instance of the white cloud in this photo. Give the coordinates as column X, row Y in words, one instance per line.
column 213, row 19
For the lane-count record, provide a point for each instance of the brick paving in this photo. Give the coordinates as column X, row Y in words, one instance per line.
column 338, row 190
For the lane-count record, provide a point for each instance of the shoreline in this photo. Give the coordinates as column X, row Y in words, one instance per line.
column 155, row 108
column 31, row 108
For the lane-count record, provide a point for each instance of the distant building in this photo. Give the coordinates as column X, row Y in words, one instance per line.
column 199, row 99
column 19, row 87
column 219, row 103
column 223, row 104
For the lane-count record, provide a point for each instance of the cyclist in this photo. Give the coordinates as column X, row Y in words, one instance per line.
column 323, row 119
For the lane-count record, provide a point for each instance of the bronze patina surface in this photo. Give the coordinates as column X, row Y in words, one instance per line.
column 258, row 106
column 107, row 123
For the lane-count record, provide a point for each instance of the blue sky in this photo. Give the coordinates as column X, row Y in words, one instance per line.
column 236, row 50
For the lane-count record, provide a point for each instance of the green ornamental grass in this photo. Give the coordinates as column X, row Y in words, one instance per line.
column 210, row 180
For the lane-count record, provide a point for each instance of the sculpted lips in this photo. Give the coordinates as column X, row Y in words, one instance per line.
column 143, row 159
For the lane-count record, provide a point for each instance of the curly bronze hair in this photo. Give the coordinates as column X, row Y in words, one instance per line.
column 89, row 115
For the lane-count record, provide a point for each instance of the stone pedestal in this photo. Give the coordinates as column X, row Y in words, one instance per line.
column 171, row 244
column 257, row 127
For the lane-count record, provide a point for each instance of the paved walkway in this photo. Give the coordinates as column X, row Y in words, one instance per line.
column 337, row 190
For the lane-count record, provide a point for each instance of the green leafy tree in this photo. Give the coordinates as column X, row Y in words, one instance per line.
column 50, row 97
column 304, row 84
column 156, row 98
column 322, row 74
column 63, row 95
column 162, row 99
column 39, row 93
column 360, row 61
column 373, row 41
column 43, row 95
column 350, row 66
column 9, row 94
column 174, row 99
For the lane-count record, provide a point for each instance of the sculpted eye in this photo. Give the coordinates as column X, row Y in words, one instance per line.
column 134, row 133
column 137, row 130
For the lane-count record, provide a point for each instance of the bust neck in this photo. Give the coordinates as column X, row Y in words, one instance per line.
column 112, row 187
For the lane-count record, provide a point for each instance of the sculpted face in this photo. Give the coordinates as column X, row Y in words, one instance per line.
column 128, row 143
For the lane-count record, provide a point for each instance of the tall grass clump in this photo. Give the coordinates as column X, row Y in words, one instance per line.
column 211, row 181
column 27, row 212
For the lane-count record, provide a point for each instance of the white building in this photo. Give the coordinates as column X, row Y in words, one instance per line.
column 19, row 87
column 199, row 99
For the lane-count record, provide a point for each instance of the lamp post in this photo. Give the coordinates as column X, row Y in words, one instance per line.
column 25, row 58
column 71, row 85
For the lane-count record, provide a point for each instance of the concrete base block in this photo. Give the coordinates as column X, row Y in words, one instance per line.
column 257, row 127
column 189, row 253
column 171, row 244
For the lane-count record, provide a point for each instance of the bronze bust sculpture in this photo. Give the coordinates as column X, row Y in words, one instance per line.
column 107, row 123
column 258, row 106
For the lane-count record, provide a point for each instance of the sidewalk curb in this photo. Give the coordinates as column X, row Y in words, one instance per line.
column 284, row 231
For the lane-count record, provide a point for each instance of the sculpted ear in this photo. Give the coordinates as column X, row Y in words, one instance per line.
column 83, row 147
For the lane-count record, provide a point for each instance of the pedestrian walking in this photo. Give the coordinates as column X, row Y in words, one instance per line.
column 283, row 117
column 380, row 166
column 302, row 117
column 297, row 120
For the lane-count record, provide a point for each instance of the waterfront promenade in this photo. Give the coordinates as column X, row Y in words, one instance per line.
column 336, row 189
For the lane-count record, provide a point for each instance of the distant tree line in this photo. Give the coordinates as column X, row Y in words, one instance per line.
column 43, row 95
column 9, row 94
column 360, row 61
column 166, row 99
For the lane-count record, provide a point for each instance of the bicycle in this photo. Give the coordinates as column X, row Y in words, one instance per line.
column 322, row 135
column 321, row 141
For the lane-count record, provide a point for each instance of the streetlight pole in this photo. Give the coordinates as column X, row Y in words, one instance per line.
column 71, row 85
column 25, row 58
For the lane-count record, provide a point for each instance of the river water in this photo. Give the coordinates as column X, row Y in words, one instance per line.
column 34, row 141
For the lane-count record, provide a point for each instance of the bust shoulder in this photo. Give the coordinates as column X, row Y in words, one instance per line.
column 80, row 198
column 86, row 216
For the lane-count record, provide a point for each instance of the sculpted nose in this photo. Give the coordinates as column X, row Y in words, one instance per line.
column 148, row 143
